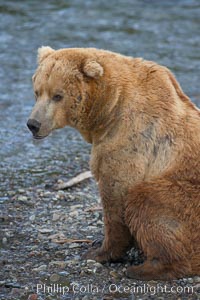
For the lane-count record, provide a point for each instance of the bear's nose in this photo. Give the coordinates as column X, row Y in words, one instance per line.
column 34, row 126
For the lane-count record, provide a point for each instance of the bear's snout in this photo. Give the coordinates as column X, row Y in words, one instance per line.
column 33, row 126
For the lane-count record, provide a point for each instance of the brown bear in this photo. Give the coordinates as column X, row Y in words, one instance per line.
column 145, row 136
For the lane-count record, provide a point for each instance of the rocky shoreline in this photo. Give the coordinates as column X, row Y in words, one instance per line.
column 43, row 235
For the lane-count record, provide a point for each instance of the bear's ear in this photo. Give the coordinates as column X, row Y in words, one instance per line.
column 43, row 52
column 92, row 69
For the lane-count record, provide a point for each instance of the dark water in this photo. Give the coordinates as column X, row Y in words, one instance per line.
column 165, row 31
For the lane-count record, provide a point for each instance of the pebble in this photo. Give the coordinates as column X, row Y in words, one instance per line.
column 56, row 216
column 67, row 252
column 11, row 193
column 9, row 234
column 90, row 261
column 45, row 230
column 99, row 222
column 22, row 198
column 196, row 279
column 55, row 199
column 74, row 213
column 47, row 194
column 190, row 280
column 98, row 265
column 58, row 263
column 54, row 278
column 64, row 273
column 74, row 207
column 74, row 245
column 88, row 271
column 33, row 297
column 197, row 287
column 4, row 240
column 40, row 268
column 32, row 218
column 114, row 274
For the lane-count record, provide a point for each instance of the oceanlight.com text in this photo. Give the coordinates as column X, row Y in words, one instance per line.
column 76, row 288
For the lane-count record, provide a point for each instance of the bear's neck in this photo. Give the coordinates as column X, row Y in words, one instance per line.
column 103, row 117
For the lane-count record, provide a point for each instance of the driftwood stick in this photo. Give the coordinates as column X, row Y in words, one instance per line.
column 64, row 241
column 94, row 208
column 75, row 180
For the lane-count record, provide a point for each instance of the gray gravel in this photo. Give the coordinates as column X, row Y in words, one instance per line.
column 35, row 266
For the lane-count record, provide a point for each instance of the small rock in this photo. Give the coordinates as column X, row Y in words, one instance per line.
column 54, row 278
column 67, row 252
column 88, row 271
column 40, row 268
column 197, row 287
column 99, row 222
column 152, row 282
column 124, row 270
column 71, row 262
column 98, row 265
column 33, row 297
column 11, row 193
column 74, row 245
column 64, row 273
column 58, row 263
column 56, row 216
column 196, row 279
column 47, row 194
column 45, row 230
column 22, row 198
column 9, row 234
column 90, row 262
column 32, row 218
column 90, row 237
column 4, row 240
column 112, row 265
column 114, row 274
column 190, row 280
column 74, row 214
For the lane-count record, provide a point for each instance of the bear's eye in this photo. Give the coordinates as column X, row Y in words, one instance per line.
column 57, row 97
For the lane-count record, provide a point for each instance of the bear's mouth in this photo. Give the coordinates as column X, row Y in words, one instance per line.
column 39, row 137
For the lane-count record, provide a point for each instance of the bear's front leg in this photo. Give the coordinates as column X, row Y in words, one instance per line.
column 116, row 242
column 117, row 239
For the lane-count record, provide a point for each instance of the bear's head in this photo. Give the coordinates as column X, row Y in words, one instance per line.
column 63, row 84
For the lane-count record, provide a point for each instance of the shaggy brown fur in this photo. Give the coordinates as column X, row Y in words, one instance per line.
column 145, row 136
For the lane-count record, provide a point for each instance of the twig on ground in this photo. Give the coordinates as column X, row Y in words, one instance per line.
column 94, row 208
column 63, row 241
column 59, row 238
column 75, row 180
